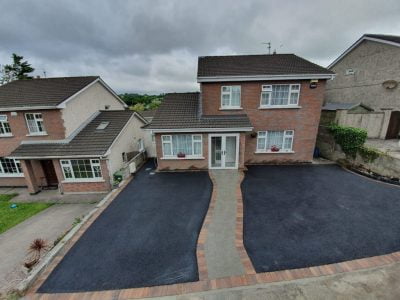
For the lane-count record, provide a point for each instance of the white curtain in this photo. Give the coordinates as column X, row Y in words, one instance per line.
column 275, row 138
column 182, row 143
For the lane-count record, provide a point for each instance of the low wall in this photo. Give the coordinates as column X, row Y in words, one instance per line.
column 384, row 165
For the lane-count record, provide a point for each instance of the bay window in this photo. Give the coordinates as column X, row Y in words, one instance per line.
column 5, row 129
column 81, row 169
column 279, row 95
column 230, row 97
column 10, row 167
column 34, row 121
column 275, row 141
column 182, row 145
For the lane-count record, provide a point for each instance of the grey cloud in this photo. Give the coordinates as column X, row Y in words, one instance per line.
column 152, row 46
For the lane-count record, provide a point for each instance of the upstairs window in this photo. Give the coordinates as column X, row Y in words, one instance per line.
column 35, row 124
column 5, row 129
column 230, row 97
column 280, row 95
column 275, row 141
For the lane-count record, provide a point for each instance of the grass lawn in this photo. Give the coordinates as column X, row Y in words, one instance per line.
column 10, row 217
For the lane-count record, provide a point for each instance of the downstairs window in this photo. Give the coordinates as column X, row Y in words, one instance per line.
column 182, row 144
column 275, row 141
column 10, row 167
column 81, row 169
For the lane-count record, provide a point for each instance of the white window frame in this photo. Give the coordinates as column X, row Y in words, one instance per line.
column 16, row 162
column 230, row 106
column 289, row 133
column 36, row 119
column 167, row 139
column 3, row 121
column 266, row 89
column 94, row 162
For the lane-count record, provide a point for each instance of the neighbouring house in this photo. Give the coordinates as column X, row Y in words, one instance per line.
column 251, row 109
column 149, row 137
column 71, row 133
column 368, row 73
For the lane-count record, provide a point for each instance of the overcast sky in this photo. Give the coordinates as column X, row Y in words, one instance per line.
column 152, row 46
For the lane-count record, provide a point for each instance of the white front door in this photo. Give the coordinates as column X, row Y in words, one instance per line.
column 223, row 151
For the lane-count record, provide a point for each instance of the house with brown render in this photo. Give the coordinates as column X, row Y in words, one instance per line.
column 70, row 133
column 251, row 109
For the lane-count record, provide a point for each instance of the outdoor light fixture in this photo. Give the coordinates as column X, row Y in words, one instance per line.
column 313, row 83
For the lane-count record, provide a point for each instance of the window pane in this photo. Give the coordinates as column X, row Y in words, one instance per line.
column 294, row 96
column 265, row 98
column 225, row 99
column 261, row 143
column 10, row 166
column 197, row 148
column 166, row 138
column 288, row 143
column 182, row 143
column 167, row 149
column 235, row 96
column 274, row 138
column 280, row 94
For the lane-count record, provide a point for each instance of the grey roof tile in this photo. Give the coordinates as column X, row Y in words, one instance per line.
column 89, row 141
column 41, row 92
column 181, row 111
column 251, row 65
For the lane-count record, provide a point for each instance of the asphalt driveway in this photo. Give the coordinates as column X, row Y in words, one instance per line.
column 301, row 216
column 146, row 237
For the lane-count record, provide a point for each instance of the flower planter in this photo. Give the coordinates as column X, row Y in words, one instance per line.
column 181, row 155
column 275, row 149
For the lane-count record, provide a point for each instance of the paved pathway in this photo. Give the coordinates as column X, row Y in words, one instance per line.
column 379, row 283
column 48, row 224
column 221, row 254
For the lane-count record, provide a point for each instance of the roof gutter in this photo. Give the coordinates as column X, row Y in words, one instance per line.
column 19, row 108
column 236, row 129
column 56, row 156
column 264, row 77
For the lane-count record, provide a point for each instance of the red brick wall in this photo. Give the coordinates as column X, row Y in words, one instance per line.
column 12, row 181
column 304, row 121
column 84, row 187
column 53, row 123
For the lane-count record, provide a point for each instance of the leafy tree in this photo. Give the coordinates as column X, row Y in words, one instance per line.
column 17, row 70
column 148, row 101
column 138, row 107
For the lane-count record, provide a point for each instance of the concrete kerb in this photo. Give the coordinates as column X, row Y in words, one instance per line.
column 25, row 284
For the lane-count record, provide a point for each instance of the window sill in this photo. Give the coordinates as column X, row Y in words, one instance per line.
column 271, row 152
column 231, row 108
column 11, row 175
column 6, row 135
column 280, row 107
column 181, row 158
column 83, row 180
column 37, row 134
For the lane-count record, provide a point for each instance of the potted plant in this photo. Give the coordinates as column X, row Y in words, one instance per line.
column 275, row 148
column 181, row 155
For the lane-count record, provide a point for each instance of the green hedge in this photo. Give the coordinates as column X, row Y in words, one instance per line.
column 349, row 138
column 369, row 154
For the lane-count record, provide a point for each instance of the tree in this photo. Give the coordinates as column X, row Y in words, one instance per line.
column 17, row 70
column 138, row 107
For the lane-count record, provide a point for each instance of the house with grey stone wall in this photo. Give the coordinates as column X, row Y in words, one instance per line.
column 368, row 72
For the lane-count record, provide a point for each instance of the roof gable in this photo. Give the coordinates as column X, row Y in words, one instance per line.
column 393, row 40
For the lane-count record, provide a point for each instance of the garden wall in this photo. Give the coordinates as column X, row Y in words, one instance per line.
column 384, row 164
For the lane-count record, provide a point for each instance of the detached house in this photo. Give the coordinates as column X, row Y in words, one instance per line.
column 250, row 109
column 70, row 133
column 367, row 75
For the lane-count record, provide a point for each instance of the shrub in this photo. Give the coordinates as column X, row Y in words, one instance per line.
column 349, row 138
column 368, row 154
